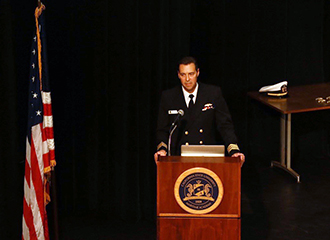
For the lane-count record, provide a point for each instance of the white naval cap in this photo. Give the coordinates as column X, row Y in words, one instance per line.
column 276, row 90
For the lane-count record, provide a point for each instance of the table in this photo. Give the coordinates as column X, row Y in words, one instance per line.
column 300, row 99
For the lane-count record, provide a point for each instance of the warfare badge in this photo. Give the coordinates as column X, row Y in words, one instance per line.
column 198, row 190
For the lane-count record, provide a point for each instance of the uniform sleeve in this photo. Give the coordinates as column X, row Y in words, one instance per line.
column 224, row 124
column 163, row 125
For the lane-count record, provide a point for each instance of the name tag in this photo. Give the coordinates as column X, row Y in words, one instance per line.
column 173, row 112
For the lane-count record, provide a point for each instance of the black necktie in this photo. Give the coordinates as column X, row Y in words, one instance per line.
column 191, row 102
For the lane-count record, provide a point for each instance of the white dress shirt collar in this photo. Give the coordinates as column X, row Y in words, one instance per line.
column 186, row 94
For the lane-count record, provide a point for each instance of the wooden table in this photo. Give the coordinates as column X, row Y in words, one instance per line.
column 300, row 99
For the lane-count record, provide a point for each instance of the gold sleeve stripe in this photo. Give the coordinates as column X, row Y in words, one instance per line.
column 162, row 144
column 232, row 147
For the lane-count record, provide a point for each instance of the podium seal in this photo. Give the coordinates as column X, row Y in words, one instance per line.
column 198, row 190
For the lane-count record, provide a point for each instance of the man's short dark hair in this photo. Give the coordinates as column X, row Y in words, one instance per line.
column 187, row 60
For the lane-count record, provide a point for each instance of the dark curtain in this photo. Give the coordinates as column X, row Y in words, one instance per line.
column 108, row 63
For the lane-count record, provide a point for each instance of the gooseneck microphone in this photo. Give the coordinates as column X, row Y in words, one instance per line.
column 173, row 127
column 178, row 118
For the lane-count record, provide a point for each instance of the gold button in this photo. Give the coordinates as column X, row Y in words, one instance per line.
column 200, row 142
column 187, row 143
column 186, row 132
column 200, row 130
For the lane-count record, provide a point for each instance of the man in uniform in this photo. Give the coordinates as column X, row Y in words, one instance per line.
column 205, row 112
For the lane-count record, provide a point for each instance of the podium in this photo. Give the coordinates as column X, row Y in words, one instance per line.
column 198, row 198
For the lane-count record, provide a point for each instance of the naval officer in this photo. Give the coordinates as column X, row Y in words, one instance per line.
column 205, row 112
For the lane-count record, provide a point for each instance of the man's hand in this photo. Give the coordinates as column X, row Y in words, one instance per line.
column 159, row 153
column 241, row 157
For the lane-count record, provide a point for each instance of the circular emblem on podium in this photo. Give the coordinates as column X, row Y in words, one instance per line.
column 198, row 190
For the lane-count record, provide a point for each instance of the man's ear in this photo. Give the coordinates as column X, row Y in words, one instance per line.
column 178, row 74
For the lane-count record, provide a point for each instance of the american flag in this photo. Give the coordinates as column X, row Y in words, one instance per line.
column 40, row 155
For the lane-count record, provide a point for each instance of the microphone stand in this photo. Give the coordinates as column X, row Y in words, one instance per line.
column 170, row 138
column 173, row 127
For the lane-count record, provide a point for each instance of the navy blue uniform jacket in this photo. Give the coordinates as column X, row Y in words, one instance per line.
column 198, row 126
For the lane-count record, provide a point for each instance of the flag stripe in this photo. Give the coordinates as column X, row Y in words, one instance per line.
column 28, row 228
column 46, row 98
column 37, row 182
column 48, row 121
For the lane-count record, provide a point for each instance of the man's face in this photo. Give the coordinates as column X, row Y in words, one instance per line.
column 188, row 75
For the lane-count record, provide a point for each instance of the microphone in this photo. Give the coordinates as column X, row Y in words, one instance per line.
column 172, row 129
column 178, row 118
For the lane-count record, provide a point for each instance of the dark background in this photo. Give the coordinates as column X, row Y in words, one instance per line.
column 108, row 63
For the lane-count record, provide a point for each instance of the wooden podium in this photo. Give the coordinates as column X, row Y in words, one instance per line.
column 182, row 178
